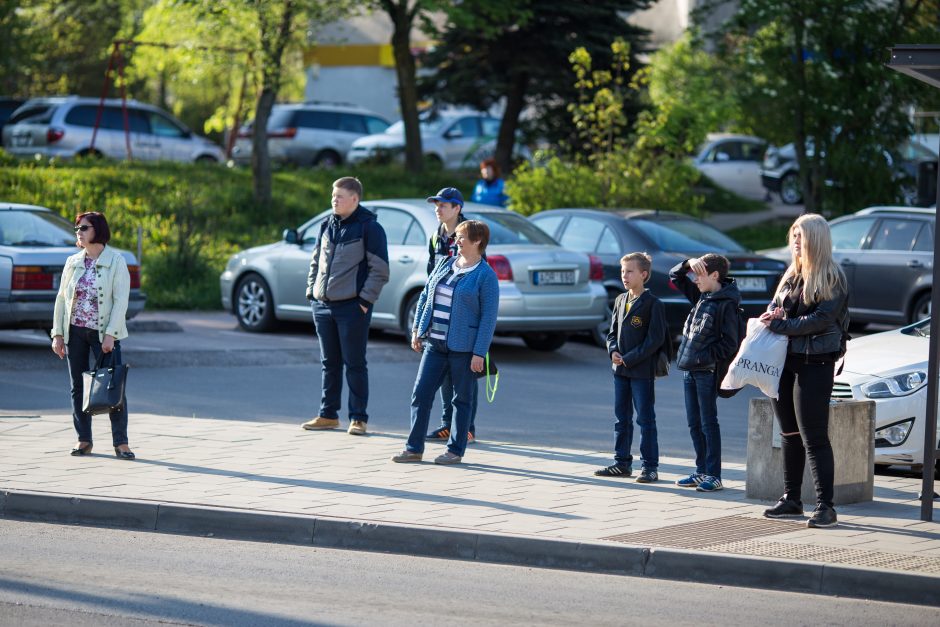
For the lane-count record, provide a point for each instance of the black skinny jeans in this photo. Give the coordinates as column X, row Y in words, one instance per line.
column 84, row 346
column 805, row 389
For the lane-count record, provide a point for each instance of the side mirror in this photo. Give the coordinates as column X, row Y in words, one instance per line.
column 454, row 133
column 290, row 236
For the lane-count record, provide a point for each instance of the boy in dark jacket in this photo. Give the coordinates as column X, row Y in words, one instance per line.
column 637, row 332
column 709, row 336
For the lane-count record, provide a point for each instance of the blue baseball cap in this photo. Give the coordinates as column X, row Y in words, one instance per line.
column 448, row 194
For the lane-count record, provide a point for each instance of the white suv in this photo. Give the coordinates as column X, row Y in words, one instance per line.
column 64, row 126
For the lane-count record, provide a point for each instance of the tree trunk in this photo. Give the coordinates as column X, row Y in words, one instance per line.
column 515, row 101
column 807, row 173
column 260, row 157
column 402, row 20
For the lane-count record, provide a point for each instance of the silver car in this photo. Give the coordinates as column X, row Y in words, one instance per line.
column 546, row 292
column 63, row 127
column 34, row 244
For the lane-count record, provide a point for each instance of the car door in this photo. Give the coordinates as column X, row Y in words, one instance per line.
column 735, row 165
column 460, row 139
column 888, row 271
column 170, row 141
column 292, row 267
column 849, row 237
column 407, row 258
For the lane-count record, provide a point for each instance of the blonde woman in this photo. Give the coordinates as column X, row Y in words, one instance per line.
column 808, row 307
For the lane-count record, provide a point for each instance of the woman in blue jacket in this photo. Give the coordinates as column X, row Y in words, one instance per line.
column 454, row 324
column 489, row 189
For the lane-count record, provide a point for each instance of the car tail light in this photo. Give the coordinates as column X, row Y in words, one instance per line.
column 673, row 286
column 597, row 268
column 135, row 276
column 284, row 133
column 501, row 267
column 31, row 278
column 54, row 134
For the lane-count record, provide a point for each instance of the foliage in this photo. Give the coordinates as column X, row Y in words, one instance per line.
column 193, row 217
column 762, row 236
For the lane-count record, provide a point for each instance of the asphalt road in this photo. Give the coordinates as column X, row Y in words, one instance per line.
column 80, row 576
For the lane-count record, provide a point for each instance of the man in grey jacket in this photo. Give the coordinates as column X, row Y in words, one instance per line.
column 348, row 269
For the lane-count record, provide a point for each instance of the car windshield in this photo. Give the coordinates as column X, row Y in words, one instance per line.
column 430, row 125
column 509, row 228
column 34, row 228
column 920, row 329
column 687, row 236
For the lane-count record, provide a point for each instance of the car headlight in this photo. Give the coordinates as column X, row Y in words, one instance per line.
column 894, row 434
column 898, row 385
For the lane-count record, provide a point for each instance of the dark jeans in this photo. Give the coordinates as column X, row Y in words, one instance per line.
column 629, row 393
column 83, row 349
column 701, row 411
column 447, row 402
column 437, row 361
column 343, row 332
column 803, row 407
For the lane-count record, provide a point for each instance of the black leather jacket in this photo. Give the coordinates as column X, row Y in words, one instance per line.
column 814, row 329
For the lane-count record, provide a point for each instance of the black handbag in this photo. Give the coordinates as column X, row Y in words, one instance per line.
column 103, row 387
column 489, row 368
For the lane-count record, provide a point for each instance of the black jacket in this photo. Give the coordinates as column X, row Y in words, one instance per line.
column 438, row 247
column 815, row 329
column 642, row 332
column 710, row 332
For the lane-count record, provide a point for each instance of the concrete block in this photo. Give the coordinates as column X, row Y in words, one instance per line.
column 880, row 585
column 734, row 570
column 59, row 508
column 569, row 555
column 389, row 538
column 235, row 524
column 852, row 433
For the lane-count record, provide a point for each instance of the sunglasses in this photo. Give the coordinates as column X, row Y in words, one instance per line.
column 82, row 228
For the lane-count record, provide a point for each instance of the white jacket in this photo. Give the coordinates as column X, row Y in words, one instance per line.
column 113, row 283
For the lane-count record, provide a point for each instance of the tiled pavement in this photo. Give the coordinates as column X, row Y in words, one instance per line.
column 503, row 489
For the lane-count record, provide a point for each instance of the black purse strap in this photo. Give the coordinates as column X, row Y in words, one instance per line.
column 111, row 359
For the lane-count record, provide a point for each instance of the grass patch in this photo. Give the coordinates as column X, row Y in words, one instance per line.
column 720, row 200
column 770, row 234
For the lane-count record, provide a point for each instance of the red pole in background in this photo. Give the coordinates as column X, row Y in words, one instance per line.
column 127, row 129
column 104, row 93
column 238, row 108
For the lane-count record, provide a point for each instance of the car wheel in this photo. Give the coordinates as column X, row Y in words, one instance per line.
column 327, row 159
column 90, row 154
column 920, row 309
column 254, row 306
column 599, row 332
column 791, row 192
column 408, row 312
column 206, row 159
column 544, row 341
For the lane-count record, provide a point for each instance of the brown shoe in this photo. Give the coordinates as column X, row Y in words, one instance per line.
column 357, row 427
column 320, row 423
column 407, row 457
column 447, row 459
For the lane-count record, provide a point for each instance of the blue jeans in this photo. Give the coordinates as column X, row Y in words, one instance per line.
column 638, row 393
column 701, row 411
column 343, row 332
column 436, row 362
column 83, row 349
column 447, row 402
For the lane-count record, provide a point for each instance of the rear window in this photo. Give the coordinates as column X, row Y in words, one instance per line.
column 682, row 235
column 36, row 114
column 509, row 228
column 326, row 120
column 34, row 228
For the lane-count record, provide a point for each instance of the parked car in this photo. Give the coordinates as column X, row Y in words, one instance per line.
column 449, row 139
column 669, row 238
column 34, row 244
column 890, row 369
column 7, row 107
column 311, row 133
column 64, row 126
column 780, row 172
column 733, row 162
column 546, row 292
column 887, row 256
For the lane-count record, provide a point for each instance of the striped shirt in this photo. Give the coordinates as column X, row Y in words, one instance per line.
column 443, row 296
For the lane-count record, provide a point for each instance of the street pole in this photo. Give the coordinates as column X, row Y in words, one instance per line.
column 933, row 381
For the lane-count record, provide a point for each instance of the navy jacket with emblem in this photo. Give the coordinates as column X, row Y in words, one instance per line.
column 638, row 336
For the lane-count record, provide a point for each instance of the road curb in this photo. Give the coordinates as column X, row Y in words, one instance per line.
column 639, row 561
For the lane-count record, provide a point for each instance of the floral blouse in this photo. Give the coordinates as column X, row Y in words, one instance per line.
column 85, row 310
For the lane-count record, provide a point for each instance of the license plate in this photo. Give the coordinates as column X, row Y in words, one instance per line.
column 751, row 284
column 554, row 277
column 23, row 140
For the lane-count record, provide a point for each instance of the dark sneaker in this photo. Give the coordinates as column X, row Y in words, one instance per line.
column 441, row 433
column 691, row 481
column 785, row 508
column 710, row 484
column 823, row 516
column 648, row 475
column 617, row 470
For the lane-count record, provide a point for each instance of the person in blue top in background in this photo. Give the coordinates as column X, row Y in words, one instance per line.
column 489, row 189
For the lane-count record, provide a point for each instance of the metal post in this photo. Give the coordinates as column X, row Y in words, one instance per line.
column 104, row 94
column 140, row 247
column 933, row 382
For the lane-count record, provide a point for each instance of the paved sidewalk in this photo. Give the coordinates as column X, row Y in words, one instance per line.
column 506, row 503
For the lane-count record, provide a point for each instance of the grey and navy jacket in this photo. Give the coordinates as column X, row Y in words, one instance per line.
column 637, row 334
column 440, row 246
column 350, row 260
column 814, row 331
column 710, row 332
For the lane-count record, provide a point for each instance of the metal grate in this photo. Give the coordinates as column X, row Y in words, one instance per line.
column 705, row 533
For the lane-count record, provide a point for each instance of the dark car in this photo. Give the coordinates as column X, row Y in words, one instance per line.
column 7, row 107
column 668, row 238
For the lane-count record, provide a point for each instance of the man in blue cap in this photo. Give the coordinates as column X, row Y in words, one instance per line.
column 448, row 206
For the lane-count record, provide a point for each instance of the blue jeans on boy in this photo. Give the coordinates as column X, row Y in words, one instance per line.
column 437, row 361
column 629, row 393
column 447, row 403
column 84, row 345
column 701, row 410
column 343, row 333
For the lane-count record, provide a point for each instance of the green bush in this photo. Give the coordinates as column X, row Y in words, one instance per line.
column 194, row 216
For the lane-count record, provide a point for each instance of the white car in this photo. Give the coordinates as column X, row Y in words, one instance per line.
column 890, row 368
column 733, row 162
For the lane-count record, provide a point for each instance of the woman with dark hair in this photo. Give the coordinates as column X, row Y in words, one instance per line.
column 489, row 189
column 89, row 320
column 808, row 308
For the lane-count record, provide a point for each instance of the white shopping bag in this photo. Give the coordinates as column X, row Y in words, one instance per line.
column 759, row 361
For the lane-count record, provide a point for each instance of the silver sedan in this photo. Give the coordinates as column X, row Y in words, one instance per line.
column 546, row 291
